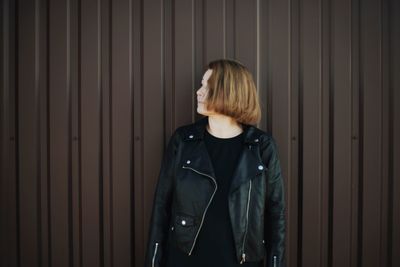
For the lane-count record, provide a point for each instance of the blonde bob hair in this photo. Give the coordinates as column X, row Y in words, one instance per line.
column 232, row 91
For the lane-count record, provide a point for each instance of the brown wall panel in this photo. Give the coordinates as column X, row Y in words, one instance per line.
column 246, row 23
column 183, row 62
column 356, row 135
column 279, row 98
column 214, row 29
column 59, row 133
column 121, row 106
column 92, row 90
column 371, row 127
column 75, row 173
column 90, row 100
column 311, row 149
column 341, row 207
column 28, row 134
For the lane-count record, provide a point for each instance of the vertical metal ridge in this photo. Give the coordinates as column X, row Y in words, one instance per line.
column 110, row 129
column 224, row 28
column 355, row 75
column 351, row 95
column 49, row 244
column 16, row 125
column 168, row 13
column 173, row 67
column 162, row 47
column 381, row 133
column 43, row 54
column 193, row 55
column 136, row 164
column 331, row 131
column 361, row 138
column 131, row 139
column 258, row 46
column 162, row 59
column 142, row 106
column 290, row 120
column 384, row 212
column 79, row 38
column 391, row 102
column 395, row 122
column 6, row 17
column 38, row 139
column 69, row 135
column 234, row 19
column 320, row 128
column 269, row 90
column 380, row 139
column 301, row 139
column 101, row 146
column 204, row 33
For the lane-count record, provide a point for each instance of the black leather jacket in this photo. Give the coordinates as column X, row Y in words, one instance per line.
column 256, row 197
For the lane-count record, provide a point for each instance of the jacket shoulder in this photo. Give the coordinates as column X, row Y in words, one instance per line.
column 264, row 136
column 185, row 129
column 268, row 143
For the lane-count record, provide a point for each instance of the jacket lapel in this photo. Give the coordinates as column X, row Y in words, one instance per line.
column 199, row 159
column 248, row 167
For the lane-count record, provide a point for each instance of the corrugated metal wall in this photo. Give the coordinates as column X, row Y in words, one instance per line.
column 91, row 91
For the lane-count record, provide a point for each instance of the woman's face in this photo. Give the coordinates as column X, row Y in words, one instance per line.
column 202, row 95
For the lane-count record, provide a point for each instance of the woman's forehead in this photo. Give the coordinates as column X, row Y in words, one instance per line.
column 207, row 74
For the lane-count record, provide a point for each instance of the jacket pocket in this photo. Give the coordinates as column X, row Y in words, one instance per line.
column 184, row 220
column 184, row 231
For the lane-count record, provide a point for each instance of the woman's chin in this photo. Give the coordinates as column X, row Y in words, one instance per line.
column 201, row 111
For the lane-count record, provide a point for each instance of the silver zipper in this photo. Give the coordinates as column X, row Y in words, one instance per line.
column 247, row 224
column 275, row 261
column 209, row 202
column 154, row 255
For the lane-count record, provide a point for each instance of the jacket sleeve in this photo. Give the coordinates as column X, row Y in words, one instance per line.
column 159, row 221
column 274, row 228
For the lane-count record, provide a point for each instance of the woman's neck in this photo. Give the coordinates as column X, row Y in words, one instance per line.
column 223, row 126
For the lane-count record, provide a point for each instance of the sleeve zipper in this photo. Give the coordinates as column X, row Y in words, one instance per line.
column 154, row 255
column 275, row 261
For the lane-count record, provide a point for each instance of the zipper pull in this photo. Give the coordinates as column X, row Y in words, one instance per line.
column 243, row 258
column 275, row 262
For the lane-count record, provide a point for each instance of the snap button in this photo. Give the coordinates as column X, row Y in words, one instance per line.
column 172, row 228
column 183, row 222
column 188, row 162
column 256, row 140
column 191, row 136
column 260, row 167
column 263, row 241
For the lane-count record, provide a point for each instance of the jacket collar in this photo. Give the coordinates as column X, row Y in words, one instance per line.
column 197, row 132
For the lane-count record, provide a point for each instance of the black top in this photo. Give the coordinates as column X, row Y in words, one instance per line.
column 215, row 242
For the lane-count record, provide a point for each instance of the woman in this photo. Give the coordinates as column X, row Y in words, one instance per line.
column 219, row 199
